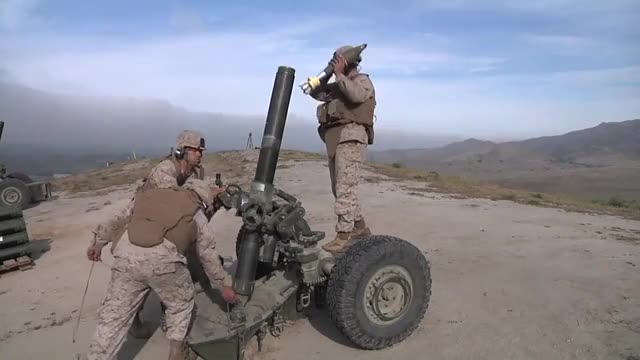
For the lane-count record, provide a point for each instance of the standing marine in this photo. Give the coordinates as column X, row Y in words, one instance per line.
column 346, row 127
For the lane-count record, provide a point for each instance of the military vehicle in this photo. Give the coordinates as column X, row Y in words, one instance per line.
column 15, row 246
column 376, row 293
column 17, row 190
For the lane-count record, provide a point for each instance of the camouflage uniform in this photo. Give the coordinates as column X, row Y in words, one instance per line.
column 137, row 270
column 346, row 145
column 164, row 175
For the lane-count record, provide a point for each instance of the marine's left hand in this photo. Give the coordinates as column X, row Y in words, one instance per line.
column 339, row 64
column 216, row 190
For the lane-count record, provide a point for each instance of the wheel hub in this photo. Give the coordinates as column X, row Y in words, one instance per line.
column 11, row 196
column 388, row 294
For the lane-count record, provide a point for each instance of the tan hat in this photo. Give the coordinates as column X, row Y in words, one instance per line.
column 344, row 48
column 190, row 138
column 341, row 50
column 201, row 188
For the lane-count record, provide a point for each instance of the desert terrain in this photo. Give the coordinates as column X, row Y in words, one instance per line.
column 510, row 280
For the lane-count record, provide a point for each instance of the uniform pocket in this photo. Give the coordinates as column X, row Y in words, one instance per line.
column 321, row 113
column 164, row 268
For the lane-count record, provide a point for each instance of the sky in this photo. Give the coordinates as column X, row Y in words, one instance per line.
column 486, row 68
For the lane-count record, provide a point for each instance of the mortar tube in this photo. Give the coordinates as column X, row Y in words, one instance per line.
column 247, row 264
column 262, row 186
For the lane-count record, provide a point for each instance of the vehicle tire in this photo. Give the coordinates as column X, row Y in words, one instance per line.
column 12, row 226
column 8, row 213
column 14, row 194
column 379, row 291
column 20, row 176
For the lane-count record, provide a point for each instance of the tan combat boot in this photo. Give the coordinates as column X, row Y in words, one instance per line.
column 178, row 350
column 138, row 330
column 360, row 230
column 340, row 244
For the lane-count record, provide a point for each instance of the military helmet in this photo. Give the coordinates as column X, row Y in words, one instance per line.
column 190, row 138
column 201, row 188
column 344, row 48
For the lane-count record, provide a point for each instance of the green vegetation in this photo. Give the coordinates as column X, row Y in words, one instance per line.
column 235, row 167
column 469, row 188
column 617, row 202
column 296, row 155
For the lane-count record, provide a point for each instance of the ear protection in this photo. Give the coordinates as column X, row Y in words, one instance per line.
column 179, row 153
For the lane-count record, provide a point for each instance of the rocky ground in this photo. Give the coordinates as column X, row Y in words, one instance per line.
column 510, row 281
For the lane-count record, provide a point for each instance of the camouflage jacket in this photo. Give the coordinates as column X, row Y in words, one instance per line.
column 166, row 254
column 355, row 88
column 163, row 175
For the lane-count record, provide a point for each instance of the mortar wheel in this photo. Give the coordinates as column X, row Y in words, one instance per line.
column 379, row 291
column 14, row 194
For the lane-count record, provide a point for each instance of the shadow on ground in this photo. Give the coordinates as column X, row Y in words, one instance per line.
column 319, row 319
column 39, row 247
column 150, row 315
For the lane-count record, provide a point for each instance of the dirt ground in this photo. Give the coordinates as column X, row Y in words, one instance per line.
column 510, row 281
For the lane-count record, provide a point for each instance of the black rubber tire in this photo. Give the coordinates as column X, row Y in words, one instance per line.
column 12, row 226
column 20, row 176
column 7, row 213
column 10, row 187
column 347, row 283
column 14, row 239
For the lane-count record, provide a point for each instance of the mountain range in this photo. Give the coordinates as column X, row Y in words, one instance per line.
column 51, row 133
column 47, row 133
column 599, row 162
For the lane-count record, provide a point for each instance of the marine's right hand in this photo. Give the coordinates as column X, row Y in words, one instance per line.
column 229, row 295
column 94, row 252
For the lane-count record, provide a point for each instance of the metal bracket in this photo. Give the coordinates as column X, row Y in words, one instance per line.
column 277, row 324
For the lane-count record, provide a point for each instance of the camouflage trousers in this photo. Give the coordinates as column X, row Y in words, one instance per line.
column 194, row 265
column 130, row 284
column 344, row 169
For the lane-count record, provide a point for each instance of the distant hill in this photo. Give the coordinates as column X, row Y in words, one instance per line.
column 598, row 162
column 428, row 157
column 49, row 133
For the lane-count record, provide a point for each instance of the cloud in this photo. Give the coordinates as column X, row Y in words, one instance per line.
column 15, row 14
column 426, row 80
column 562, row 41
column 211, row 72
column 410, row 60
column 180, row 67
column 527, row 6
column 188, row 21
